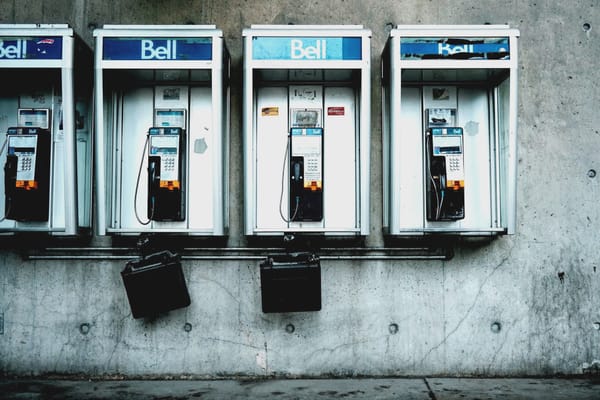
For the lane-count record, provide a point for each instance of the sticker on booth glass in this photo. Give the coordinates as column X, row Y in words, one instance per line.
column 270, row 111
column 335, row 111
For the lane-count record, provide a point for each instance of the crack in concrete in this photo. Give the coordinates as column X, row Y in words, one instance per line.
column 117, row 339
column 234, row 343
column 479, row 292
column 219, row 284
column 333, row 349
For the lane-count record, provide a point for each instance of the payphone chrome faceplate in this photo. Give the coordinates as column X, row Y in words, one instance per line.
column 27, row 174
column 166, row 194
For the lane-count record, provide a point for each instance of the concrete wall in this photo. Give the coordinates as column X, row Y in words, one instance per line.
column 72, row 317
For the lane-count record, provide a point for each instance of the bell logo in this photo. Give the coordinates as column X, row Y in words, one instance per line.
column 167, row 52
column 316, row 52
column 448, row 49
column 16, row 50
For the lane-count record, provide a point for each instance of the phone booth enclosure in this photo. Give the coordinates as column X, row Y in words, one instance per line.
column 149, row 79
column 461, row 82
column 46, row 75
column 306, row 129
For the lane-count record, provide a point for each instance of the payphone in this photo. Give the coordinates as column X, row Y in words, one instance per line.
column 162, row 123
column 27, row 174
column 449, row 130
column 306, row 174
column 46, row 162
column 166, row 201
column 445, row 174
column 306, row 154
column 306, row 129
column 444, row 161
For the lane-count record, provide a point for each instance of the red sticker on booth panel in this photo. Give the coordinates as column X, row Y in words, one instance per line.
column 335, row 110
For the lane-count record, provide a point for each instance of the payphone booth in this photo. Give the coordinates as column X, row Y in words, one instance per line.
column 162, row 127
column 45, row 130
column 450, row 130
column 306, row 129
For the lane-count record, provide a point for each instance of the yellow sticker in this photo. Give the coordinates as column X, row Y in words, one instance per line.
column 270, row 111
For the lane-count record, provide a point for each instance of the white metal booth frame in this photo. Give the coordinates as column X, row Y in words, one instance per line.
column 482, row 86
column 39, row 66
column 333, row 64
column 133, row 63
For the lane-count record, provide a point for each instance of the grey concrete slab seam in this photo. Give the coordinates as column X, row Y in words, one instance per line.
column 534, row 389
column 300, row 389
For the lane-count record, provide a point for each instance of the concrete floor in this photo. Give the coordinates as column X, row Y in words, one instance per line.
column 414, row 388
column 523, row 304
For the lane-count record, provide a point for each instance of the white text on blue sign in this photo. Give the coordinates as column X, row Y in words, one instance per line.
column 13, row 51
column 150, row 52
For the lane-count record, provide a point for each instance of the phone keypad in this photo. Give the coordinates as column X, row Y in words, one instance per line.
column 454, row 163
column 312, row 166
column 25, row 163
column 169, row 164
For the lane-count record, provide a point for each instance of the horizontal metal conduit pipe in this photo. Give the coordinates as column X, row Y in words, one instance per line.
column 246, row 254
column 243, row 249
column 239, row 258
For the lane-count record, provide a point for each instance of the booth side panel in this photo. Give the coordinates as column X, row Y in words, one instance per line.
column 473, row 116
column 271, row 147
column 386, row 162
column 137, row 118
column 201, row 147
column 503, row 99
column 57, row 178
column 340, row 163
column 409, row 131
column 83, row 123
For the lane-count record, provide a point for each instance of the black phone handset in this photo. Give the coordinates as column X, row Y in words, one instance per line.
column 153, row 183
column 296, row 185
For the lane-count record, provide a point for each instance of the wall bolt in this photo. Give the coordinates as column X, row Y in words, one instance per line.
column 597, row 326
column 591, row 173
column 393, row 328
column 496, row 327
column 587, row 27
column 187, row 327
column 290, row 328
column 84, row 328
